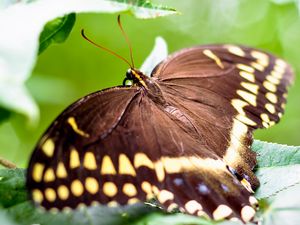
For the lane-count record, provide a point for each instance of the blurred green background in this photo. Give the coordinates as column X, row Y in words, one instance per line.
column 75, row 68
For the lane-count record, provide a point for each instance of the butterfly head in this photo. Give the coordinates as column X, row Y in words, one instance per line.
column 136, row 77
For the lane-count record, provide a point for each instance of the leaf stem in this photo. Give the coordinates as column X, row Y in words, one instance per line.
column 7, row 164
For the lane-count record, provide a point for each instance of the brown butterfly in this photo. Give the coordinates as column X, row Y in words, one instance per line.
column 182, row 135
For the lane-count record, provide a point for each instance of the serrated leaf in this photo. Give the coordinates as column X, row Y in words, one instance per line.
column 56, row 31
column 25, row 213
column 19, row 45
column 275, row 155
column 284, row 208
column 179, row 219
column 275, row 161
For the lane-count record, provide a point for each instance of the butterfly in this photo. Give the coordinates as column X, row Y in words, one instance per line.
column 182, row 135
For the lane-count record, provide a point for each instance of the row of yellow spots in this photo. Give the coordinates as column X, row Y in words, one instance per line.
column 271, row 82
column 249, row 96
column 165, row 164
column 247, row 72
column 221, row 212
column 91, row 185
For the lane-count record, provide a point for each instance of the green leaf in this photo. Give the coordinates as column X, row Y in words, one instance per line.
column 5, row 220
column 283, row 2
column 284, row 208
column 275, row 161
column 19, row 46
column 4, row 114
column 56, row 31
column 12, row 187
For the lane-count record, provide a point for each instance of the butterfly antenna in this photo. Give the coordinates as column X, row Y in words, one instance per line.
column 105, row 49
column 127, row 40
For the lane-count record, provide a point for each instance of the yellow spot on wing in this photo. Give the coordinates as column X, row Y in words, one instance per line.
column 279, row 68
column 246, row 120
column 110, row 189
column 239, row 105
column 159, row 170
column 270, row 108
column 49, row 175
column 72, row 122
column 61, row 170
column 107, row 166
column 89, row 161
column 164, row 196
column 276, row 74
column 146, row 187
column 125, row 166
column 91, row 185
column 211, row 55
column 235, row 50
column 251, row 98
column 271, row 97
column 272, row 79
column 261, row 57
column 37, row 172
column 129, row 189
column 63, row 192
column 269, row 86
column 253, row 201
column 141, row 159
column 192, row 206
column 222, row 212
column 250, row 87
column 258, row 66
column 265, row 117
column 48, row 147
column 133, row 201
column 77, row 188
column 247, row 213
column 50, row 195
column 37, row 196
column 246, row 68
column 247, row 76
column 172, row 206
column 74, row 159
column 112, row 204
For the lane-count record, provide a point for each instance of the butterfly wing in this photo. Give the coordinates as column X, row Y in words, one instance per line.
column 66, row 156
column 227, row 91
column 142, row 150
column 253, row 81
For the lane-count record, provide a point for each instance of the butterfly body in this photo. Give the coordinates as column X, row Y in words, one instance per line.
column 182, row 135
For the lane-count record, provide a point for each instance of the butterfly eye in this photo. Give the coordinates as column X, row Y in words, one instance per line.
column 129, row 75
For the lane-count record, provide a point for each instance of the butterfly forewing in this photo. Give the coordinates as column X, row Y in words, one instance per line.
column 183, row 136
column 244, row 86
